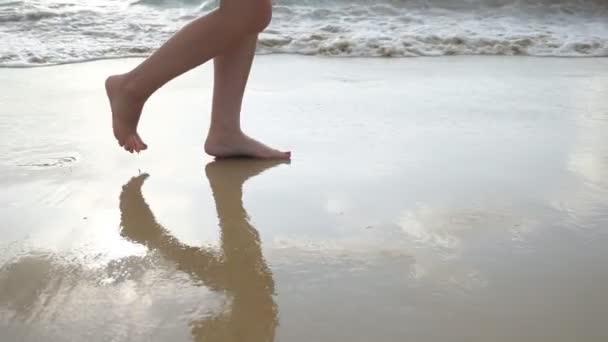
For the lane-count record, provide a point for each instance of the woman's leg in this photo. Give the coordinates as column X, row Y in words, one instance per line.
column 193, row 45
column 225, row 138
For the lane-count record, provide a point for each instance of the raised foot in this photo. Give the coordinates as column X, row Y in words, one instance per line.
column 242, row 146
column 126, row 111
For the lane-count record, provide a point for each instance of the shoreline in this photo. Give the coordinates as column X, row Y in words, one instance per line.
column 279, row 54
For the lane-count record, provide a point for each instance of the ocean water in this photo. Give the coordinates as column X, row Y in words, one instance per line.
column 47, row 32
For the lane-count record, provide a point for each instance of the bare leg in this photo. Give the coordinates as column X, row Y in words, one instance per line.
column 193, row 45
column 225, row 138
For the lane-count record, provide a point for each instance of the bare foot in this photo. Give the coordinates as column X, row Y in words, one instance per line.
column 240, row 145
column 126, row 110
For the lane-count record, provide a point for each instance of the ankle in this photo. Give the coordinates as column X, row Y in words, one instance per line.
column 130, row 87
column 223, row 133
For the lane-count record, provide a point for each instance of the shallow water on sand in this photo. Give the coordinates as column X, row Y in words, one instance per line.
column 467, row 201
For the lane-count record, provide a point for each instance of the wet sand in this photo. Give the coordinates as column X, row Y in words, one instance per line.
column 429, row 199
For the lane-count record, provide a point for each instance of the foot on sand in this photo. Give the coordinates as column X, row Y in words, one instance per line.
column 126, row 110
column 241, row 146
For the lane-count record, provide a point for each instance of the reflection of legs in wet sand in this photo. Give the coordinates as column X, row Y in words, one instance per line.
column 139, row 224
column 239, row 268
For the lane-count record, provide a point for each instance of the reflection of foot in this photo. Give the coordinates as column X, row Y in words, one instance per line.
column 234, row 172
column 240, row 145
column 135, row 183
column 126, row 111
column 137, row 221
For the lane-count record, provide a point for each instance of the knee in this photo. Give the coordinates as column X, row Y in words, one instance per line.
column 263, row 17
column 253, row 17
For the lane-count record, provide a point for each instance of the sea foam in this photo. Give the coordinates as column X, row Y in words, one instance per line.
column 47, row 32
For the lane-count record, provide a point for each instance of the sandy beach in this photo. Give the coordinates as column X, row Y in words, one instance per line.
column 429, row 199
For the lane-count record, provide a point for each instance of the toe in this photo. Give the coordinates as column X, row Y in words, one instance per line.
column 129, row 145
column 135, row 144
column 279, row 155
column 140, row 143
